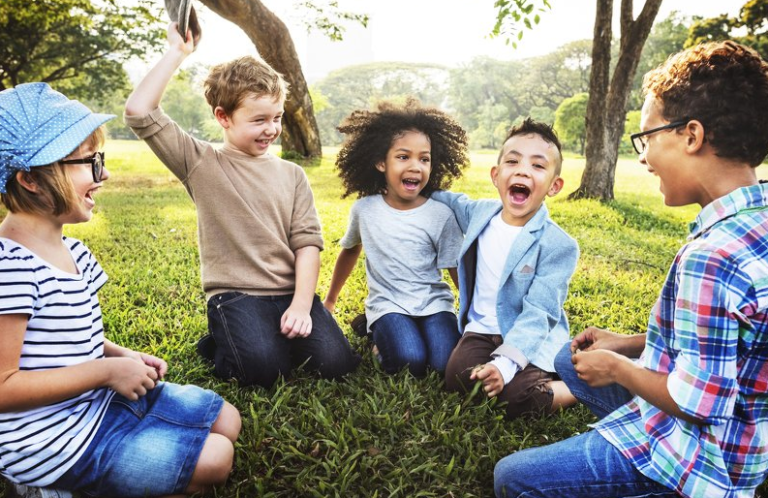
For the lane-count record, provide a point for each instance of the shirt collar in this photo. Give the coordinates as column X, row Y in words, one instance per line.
column 754, row 196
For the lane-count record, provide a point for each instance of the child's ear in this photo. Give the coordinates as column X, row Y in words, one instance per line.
column 27, row 180
column 556, row 187
column 380, row 166
column 494, row 174
column 222, row 117
column 694, row 136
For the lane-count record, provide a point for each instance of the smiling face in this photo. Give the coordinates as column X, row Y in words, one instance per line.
column 525, row 175
column 254, row 125
column 81, row 176
column 406, row 169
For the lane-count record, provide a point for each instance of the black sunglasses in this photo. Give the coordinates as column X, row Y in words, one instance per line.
column 96, row 161
column 639, row 142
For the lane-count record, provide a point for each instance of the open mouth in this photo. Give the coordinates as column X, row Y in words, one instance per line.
column 519, row 193
column 411, row 183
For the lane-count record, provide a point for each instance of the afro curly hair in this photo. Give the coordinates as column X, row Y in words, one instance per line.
column 370, row 135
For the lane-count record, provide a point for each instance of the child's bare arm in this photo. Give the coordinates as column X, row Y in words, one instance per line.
column 148, row 93
column 23, row 390
column 296, row 321
column 345, row 263
column 453, row 272
column 112, row 350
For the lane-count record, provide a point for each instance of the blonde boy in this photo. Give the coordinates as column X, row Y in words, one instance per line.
column 259, row 232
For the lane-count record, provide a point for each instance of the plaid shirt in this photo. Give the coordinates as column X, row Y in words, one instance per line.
column 709, row 332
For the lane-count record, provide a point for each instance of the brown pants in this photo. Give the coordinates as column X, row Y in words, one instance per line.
column 527, row 394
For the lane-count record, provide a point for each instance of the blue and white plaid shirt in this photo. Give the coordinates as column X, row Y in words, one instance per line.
column 709, row 332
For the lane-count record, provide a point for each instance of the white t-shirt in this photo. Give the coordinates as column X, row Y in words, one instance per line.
column 493, row 247
column 38, row 446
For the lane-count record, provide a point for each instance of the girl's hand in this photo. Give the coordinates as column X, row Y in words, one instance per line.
column 491, row 378
column 131, row 378
column 295, row 323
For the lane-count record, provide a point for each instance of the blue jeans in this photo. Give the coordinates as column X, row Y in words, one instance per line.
column 147, row 447
column 415, row 341
column 600, row 400
column 251, row 348
column 583, row 466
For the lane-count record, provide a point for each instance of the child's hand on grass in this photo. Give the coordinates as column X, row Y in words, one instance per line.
column 491, row 378
column 295, row 323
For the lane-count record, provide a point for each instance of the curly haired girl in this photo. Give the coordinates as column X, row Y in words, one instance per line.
column 392, row 158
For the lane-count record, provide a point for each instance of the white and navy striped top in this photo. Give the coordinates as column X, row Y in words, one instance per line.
column 65, row 328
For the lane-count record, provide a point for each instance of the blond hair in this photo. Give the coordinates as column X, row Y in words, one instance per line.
column 228, row 84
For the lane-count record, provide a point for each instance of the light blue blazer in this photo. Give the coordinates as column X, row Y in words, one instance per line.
column 534, row 284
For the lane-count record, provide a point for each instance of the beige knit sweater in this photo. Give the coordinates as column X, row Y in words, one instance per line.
column 252, row 212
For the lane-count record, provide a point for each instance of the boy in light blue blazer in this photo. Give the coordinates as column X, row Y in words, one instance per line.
column 514, row 270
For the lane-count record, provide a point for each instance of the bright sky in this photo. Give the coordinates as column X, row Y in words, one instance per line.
column 439, row 31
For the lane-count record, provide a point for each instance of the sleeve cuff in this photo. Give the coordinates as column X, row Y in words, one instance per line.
column 513, row 354
column 507, row 368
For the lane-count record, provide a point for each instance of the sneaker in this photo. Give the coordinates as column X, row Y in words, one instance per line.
column 359, row 325
column 23, row 491
column 206, row 347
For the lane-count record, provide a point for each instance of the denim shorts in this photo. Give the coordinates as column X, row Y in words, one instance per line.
column 148, row 447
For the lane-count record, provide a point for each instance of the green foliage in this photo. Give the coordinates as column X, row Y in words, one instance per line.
column 511, row 13
column 361, row 86
column 752, row 19
column 77, row 46
column 374, row 435
column 570, row 122
column 324, row 15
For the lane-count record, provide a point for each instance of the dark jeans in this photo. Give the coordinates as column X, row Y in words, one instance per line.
column 416, row 341
column 251, row 348
column 528, row 393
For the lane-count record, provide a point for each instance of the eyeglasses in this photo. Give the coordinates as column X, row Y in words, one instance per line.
column 639, row 140
column 96, row 161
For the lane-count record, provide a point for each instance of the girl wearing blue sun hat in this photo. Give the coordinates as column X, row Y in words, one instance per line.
column 78, row 412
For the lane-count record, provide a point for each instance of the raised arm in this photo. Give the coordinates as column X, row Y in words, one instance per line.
column 148, row 93
column 345, row 263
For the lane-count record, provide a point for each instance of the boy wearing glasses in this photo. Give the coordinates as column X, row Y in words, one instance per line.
column 259, row 233
column 690, row 416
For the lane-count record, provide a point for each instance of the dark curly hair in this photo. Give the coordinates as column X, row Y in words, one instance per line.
column 370, row 135
column 724, row 85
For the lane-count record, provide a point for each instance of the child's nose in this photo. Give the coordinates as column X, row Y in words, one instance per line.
column 104, row 174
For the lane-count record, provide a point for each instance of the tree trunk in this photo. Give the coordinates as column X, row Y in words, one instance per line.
column 607, row 106
column 271, row 38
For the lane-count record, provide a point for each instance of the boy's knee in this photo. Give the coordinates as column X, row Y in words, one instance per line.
column 457, row 378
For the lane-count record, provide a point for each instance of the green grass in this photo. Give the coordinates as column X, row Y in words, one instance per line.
column 373, row 435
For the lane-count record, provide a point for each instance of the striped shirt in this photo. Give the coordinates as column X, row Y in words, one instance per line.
column 709, row 332
column 37, row 446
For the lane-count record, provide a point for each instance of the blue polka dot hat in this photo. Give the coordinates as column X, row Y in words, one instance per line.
column 39, row 126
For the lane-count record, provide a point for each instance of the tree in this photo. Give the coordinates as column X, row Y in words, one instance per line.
column 570, row 121
column 77, row 46
column 753, row 18
column 359, row 86
column 275, row 45
column 608, row 95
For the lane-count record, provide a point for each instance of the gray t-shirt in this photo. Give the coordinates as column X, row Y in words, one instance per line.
column 405, row 252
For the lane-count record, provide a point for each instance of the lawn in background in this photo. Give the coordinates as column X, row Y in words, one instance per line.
column 373, row 435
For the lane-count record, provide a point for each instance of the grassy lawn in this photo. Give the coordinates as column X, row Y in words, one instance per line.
column 373, row 435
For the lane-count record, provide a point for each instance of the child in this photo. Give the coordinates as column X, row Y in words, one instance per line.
column 76, row 411
column 514, row 271
column 392, row 157
column 690, row 417
column 259, row 232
